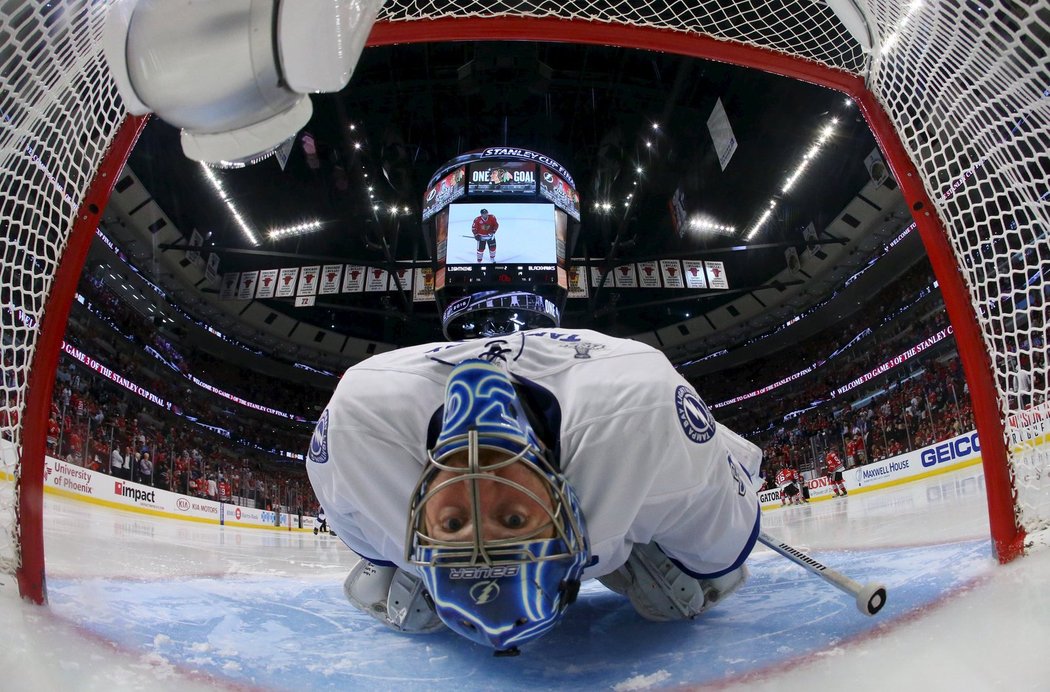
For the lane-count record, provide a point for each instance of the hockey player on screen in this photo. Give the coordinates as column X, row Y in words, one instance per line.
column 482, row 481
column 835, row 469
column 484, row 229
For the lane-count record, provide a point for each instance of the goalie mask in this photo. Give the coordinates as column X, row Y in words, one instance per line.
column 495, row 529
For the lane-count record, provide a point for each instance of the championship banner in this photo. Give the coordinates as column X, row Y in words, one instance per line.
column 228, row 288
column 353, row 278
column 678, row 214
column 267, row 283
column 330, row 276
column 694, row 274
column 577, row 281
column 423, row 285
column 286, row 282
column 721, row 134
column 246, row 287
column 283, row 151
column 196, row 240
column 377, row 279
column 308, row 281
column 671, row 270
column 648, row 275
column 404, row 275
column 625, row 276
column 716, row 274
column 211, row 269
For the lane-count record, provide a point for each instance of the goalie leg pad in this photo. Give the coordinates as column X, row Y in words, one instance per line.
column 393, row 596
column 660, row 591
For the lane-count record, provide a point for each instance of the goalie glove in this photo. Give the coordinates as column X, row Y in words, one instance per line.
column 393, row 596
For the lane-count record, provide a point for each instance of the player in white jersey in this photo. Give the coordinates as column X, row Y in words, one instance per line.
column 481, row 481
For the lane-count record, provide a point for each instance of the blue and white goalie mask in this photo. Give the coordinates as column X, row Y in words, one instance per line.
column 495, row 529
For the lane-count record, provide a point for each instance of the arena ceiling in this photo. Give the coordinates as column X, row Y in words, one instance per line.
column 623, row 122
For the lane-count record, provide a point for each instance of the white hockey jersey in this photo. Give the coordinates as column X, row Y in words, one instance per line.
column 638, row 445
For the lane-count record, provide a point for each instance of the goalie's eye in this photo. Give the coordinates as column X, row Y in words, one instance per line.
column 514, row 521
column 451, row 524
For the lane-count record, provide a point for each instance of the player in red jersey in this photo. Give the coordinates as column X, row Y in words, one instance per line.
column 855, row 453
column 787, row 481
column 835, row 468
column 484, row 229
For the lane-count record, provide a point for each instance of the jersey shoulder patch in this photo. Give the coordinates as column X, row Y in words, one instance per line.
column 693, row 415
column 319, row 442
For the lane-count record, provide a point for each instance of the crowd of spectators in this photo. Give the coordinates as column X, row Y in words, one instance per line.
column 922, row 401
column 291, row 397
column 99, row 425
column 125, row 341
column 209, row 446
column 203, row 445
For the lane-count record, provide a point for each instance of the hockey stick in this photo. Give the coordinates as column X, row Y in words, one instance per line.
column 870, row 597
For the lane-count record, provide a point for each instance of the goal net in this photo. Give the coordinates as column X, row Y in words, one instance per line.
column 955, row 92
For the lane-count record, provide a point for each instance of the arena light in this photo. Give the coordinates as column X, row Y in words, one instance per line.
column 757, row 226
column 823, row 138
column 294, row 230
column 245, row 227
column 274, row 53
column 703, row 224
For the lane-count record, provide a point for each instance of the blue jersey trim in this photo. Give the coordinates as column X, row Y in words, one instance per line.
column 748, row 547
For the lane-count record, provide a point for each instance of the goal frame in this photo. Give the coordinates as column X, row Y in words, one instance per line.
column 1007, row 536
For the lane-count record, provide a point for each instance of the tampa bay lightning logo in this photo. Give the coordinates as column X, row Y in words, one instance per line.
column 693, row 415
column 484, row 592
column 319, row 441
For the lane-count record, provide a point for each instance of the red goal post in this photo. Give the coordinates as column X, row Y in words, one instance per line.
column 955, row 92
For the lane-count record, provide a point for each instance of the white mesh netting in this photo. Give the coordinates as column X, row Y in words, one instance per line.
column 59, row 112
column 964, row 83
column 967, row 88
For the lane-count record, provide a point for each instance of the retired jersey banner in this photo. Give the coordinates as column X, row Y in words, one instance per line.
column 246, row 287
column 354, row 278
column 423, row 285
column 596, row 277
column 577, row 281
column 228, row 287
column 671, row 271
column 694, row 274
column 331, row 275
column 267, row 283
column 376, row 279
column 286, row 282
column 716, row 274
column 403, row 275
column 308, row 281
column 625, row 276
column 648, row 274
